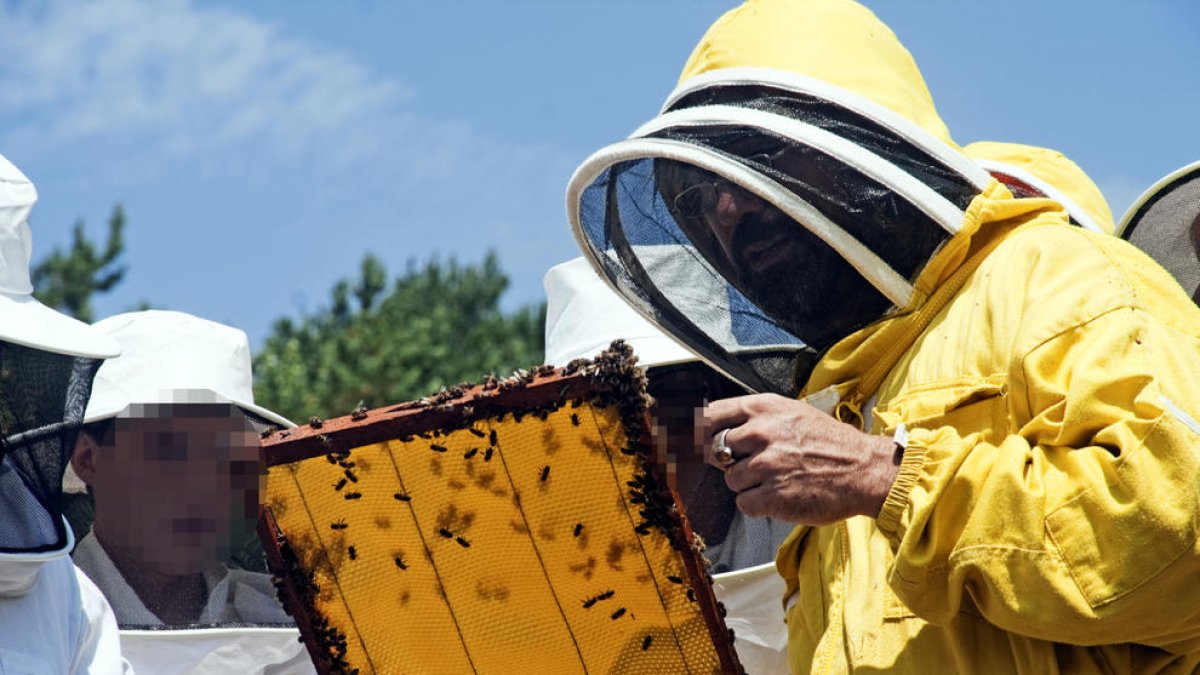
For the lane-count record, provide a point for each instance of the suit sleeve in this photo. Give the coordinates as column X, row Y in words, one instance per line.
column 1078, row 524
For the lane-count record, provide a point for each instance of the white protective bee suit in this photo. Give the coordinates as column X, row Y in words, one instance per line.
column 52, row 619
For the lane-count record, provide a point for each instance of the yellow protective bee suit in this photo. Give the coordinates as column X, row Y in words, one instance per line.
column 1046, row 511
column 1049, row 171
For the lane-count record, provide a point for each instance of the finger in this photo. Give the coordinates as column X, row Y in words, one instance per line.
column 756, row 502
column 723, row 414
column 745, row 474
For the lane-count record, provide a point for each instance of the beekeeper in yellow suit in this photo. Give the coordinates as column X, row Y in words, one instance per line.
column 995, row 464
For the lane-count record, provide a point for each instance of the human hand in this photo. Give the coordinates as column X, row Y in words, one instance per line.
column 797, row 464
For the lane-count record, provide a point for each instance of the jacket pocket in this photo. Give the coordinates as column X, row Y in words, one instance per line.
column 968, row 404
column 1118, row 536
column 893, row 607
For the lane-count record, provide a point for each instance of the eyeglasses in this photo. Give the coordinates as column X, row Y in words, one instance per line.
column 698, row 200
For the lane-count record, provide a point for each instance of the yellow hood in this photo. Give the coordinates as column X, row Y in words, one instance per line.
column 853, row 50
column 1078, row 192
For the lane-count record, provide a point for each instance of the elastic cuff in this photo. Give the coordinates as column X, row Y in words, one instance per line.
column 911, row 465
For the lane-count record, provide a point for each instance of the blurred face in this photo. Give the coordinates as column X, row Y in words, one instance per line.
column 680, row 393
column 169, row 488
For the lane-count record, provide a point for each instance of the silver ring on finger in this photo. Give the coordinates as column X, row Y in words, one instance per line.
column 721, row 452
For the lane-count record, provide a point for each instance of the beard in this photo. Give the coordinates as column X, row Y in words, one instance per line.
column 800, row 282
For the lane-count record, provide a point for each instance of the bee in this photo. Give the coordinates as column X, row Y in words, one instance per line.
column 578, row 529
column 575, row 419
column 359, row 412
column 315, row 422
column 545, row 473
column 400, row 496
column 478, row 432
column 691, row 595
column 352, row 553
column 340, row 484
column 646, row 642
column 487, row 456
column 399, row 560
column 597, row 598
column 492, row 437
column 462, row 542
column 339, row 525
column 351, row 476
column 470, row 453
column 437, row 448
column 353, row 495
column 617, row 614
column 674, row 579
column 445, row 533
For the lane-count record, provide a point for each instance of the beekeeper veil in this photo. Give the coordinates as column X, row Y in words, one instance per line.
column 780, row 172
column 1165, row 223
column 47, row 362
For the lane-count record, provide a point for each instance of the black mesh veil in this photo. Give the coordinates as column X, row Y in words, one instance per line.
column 1165, row 223
column 42, row 400
column 702, row 310
column 759, row 225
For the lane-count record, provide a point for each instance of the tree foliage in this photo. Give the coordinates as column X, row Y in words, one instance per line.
column 67, row 279
column 379, row 343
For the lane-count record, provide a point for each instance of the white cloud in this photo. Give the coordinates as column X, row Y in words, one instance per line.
column 215, row 127
column 154, row 86
column 185, row 81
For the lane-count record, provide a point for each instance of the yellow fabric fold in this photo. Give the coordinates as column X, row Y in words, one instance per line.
column 1054, row 168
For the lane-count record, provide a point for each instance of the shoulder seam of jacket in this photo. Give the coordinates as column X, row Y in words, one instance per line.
column 1180, row 414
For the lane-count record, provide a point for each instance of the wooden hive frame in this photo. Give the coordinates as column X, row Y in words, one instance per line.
column 609, row 383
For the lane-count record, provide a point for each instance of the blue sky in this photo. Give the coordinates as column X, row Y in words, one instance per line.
column 261, row 148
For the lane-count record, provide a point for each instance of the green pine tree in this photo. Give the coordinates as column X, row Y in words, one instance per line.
column 68, row 279
column 379, row 343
